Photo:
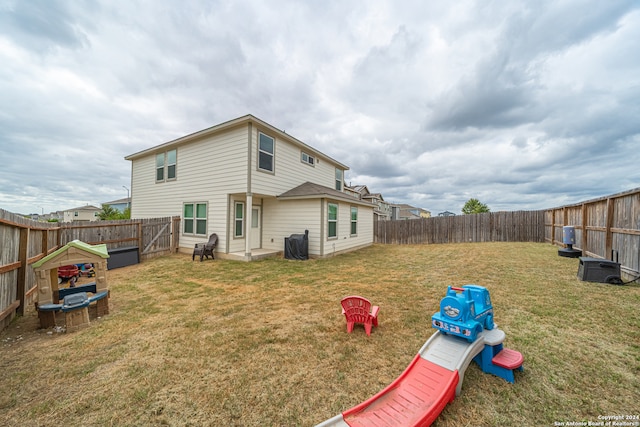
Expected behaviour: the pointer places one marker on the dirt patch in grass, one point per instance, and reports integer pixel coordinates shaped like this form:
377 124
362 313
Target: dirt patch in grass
253 344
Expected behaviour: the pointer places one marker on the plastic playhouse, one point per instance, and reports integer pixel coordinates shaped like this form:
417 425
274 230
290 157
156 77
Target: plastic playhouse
74 300
465 332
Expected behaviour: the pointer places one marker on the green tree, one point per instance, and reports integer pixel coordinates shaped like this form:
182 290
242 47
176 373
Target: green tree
474 206
110 213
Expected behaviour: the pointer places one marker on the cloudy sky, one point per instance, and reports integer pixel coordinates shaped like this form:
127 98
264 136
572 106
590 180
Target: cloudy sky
520 104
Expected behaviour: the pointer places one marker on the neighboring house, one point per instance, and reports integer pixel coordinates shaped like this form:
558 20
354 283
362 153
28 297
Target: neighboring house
253 185
404 211
352 192
56 216
83 213
382 210
356 190
120 204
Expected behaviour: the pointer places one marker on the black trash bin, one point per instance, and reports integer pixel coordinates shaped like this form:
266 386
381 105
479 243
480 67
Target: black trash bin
296 246
122 257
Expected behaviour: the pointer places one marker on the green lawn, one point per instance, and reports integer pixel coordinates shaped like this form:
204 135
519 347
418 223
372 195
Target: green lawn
227 343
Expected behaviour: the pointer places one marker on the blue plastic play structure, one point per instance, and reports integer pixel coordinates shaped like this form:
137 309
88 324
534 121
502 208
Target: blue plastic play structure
465 332
464 312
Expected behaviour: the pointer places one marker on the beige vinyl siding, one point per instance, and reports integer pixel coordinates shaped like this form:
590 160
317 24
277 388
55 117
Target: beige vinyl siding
207 170
284 218
345 241
213 167
289 171
365 227
83 215
236 244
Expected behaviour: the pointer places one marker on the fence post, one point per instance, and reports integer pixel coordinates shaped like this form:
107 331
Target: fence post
608 224
44 242
583 244
23 254
140 242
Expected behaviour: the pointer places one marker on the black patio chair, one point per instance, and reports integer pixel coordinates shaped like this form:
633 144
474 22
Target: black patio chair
205 249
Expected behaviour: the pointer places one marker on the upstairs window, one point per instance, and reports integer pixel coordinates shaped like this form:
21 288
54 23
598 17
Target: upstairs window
266 147
160 167
306 158
171 164
166 164
339 179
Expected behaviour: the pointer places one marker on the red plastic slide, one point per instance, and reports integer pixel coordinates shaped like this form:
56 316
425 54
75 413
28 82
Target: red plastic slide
415 398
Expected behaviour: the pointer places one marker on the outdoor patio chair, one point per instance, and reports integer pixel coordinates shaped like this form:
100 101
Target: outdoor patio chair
205 249
357 309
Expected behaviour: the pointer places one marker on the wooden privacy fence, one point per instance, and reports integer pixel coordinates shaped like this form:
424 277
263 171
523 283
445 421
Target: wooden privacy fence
25 241
519 226
603 225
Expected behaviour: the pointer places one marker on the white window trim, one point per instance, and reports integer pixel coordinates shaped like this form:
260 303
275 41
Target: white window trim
273 155
351 221
310 160
195 219
165 166
157 167
235 220
329 220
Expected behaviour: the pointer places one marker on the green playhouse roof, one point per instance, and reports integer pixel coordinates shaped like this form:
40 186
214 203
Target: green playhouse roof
99 250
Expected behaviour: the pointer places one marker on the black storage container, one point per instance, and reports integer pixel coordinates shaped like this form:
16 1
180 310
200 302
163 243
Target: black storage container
599 270
122 257
296 246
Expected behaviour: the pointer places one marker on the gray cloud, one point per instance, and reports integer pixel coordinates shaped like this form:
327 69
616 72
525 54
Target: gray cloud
42 25
522 105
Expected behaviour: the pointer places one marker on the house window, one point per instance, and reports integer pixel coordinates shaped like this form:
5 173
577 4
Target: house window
305 158
339 179
166 166
171 164
266 148
239 220
160 167
76 213
354 220
195 219
332 216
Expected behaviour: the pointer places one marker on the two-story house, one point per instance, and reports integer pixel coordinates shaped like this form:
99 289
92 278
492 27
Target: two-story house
253 185
382 211
404 211
120 204
82 213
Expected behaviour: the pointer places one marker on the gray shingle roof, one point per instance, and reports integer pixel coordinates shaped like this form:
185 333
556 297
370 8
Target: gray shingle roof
310 190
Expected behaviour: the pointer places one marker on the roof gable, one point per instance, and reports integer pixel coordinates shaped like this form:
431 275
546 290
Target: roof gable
222 127
310 190
84 208
74 252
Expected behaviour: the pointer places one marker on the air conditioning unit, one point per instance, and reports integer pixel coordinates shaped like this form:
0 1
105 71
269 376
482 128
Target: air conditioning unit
599 270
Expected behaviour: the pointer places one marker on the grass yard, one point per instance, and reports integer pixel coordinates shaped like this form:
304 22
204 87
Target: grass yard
226 343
